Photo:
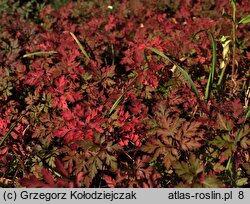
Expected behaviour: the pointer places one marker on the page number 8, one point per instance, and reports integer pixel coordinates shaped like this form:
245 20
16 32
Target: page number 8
241 195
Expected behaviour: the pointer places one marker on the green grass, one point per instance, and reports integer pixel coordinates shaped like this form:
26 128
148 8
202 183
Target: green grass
80 46
183 71
40 53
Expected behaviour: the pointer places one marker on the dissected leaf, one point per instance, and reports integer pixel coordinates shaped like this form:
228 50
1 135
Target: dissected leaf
60 168
48 178
189 136
89 145
169 158
243 137
112 162
92 167
169 126
189 170
211 181
113 148
224 123
149 148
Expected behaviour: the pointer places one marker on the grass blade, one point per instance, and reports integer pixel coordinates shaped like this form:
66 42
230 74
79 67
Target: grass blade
120 98
10 130
40 53
117 102
246 19
212 71
247 116
113 54
228 163
183 71
80 46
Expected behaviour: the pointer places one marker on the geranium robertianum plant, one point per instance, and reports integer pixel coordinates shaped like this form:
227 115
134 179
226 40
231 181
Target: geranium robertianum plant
101 94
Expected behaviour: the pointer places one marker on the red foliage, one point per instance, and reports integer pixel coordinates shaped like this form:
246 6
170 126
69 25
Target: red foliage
56 106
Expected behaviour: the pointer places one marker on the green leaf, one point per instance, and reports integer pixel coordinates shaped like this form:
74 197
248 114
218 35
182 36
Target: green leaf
242 182
247 167
211 182
87 76
182 169
218 167
188 171
183 71
56 4
233 4
92 170
112 162
88 145
224 123
245 19
112 148
218 142
98 162
51 161
242 136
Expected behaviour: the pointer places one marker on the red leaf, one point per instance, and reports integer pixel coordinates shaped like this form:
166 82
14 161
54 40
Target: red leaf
60 168
32 182
69 97
237 108
48 177
4 150
62 103
67 115
61 83
110 181
79 178
77 96
61 132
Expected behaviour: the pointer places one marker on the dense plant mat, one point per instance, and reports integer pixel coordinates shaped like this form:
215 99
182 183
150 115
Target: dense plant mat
139 93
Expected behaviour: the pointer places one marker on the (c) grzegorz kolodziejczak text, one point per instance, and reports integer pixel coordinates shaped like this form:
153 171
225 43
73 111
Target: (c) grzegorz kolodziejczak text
70 195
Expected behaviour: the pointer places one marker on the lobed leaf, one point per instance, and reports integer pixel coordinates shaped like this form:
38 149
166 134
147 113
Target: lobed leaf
188 171
211 181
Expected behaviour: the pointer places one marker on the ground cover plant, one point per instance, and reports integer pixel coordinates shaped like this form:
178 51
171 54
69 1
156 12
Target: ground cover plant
142 93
